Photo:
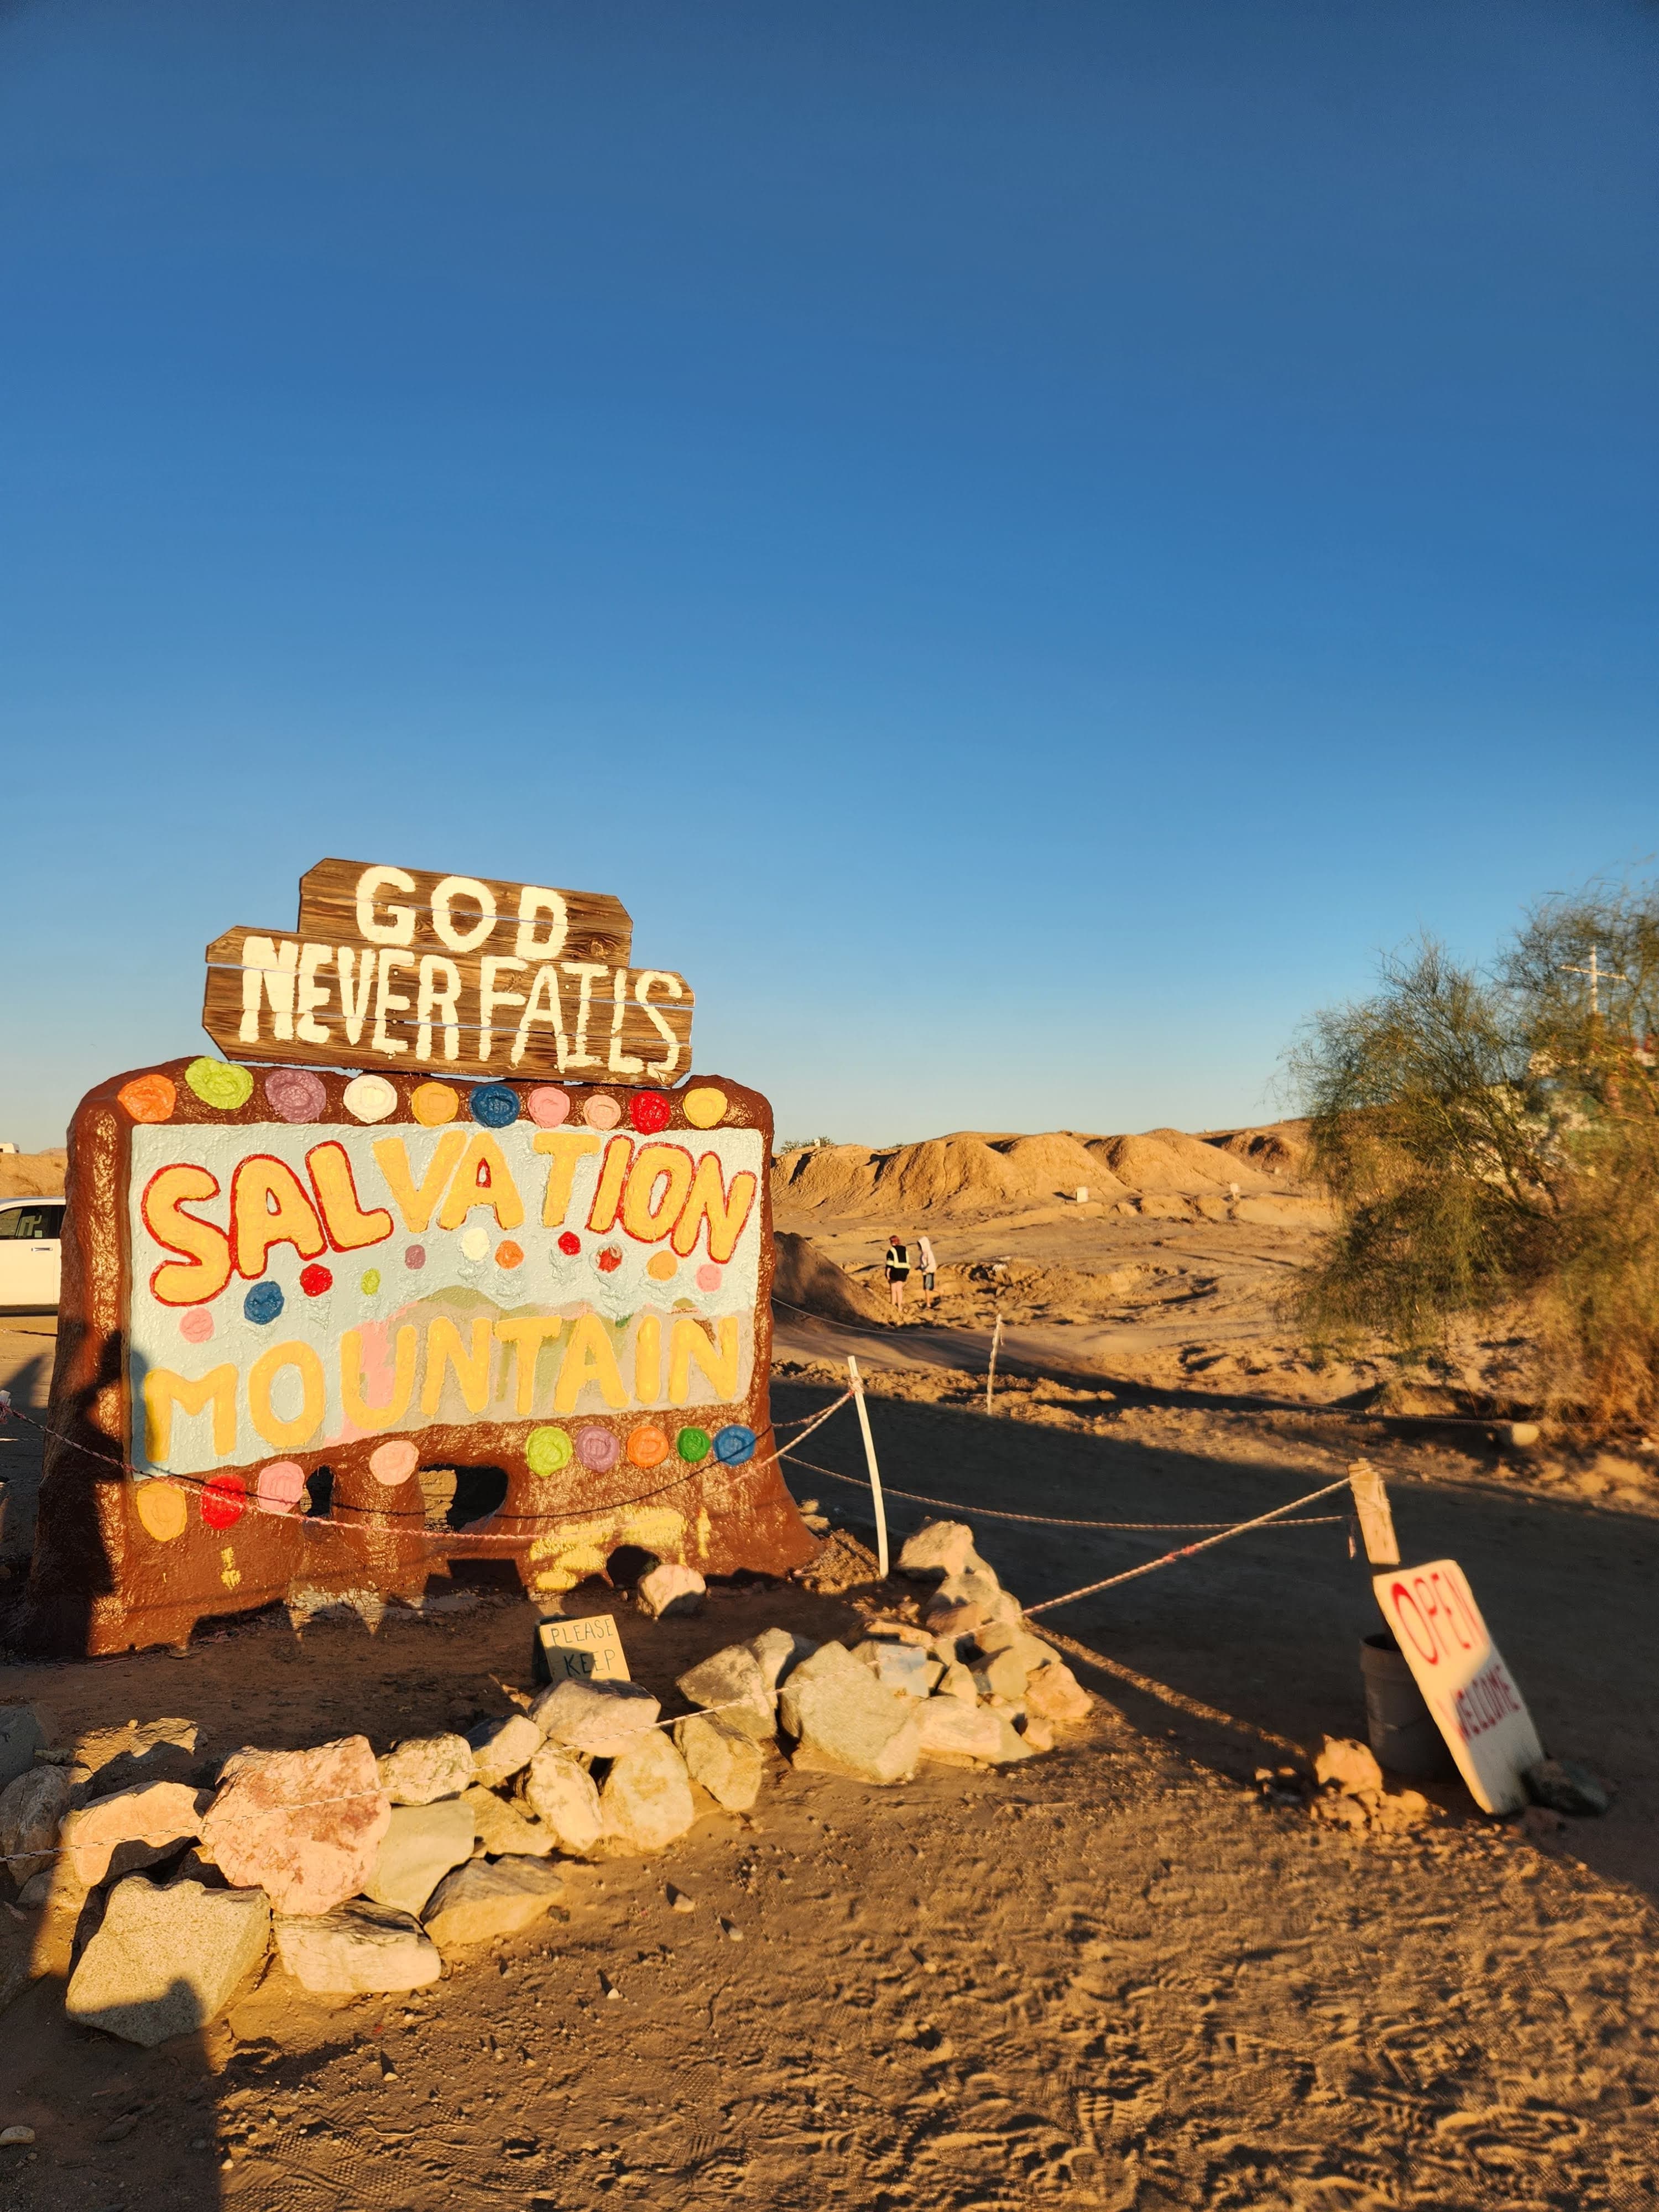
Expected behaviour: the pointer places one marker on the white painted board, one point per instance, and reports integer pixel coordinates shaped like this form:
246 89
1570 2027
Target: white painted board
1431 1612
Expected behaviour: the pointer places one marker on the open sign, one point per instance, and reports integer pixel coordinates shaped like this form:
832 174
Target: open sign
1461 1672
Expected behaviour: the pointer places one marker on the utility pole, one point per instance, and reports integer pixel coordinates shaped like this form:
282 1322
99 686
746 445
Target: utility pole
1598 976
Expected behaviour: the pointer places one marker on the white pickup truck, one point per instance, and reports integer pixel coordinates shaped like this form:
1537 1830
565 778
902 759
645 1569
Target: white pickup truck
30 1229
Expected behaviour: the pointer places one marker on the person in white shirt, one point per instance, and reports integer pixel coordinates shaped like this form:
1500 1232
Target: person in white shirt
929 1269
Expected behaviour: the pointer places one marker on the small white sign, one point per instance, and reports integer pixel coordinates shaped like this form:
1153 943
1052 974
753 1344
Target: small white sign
584 1651
1461 1672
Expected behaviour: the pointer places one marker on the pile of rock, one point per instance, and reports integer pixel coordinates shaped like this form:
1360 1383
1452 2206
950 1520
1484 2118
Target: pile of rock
1350 1792
365 1874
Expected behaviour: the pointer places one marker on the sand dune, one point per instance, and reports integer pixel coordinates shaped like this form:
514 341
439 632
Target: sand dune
33 1175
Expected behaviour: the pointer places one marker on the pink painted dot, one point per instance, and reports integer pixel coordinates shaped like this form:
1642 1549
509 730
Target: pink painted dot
296 1094
708 1276
549 1106
197 1325
393 1463
416 1257
602 1111
280 1486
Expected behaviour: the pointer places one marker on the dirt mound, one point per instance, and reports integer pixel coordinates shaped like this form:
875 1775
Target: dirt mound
33 1175
943 1172
804 1279
1167 1159
1057 1166
1281 1149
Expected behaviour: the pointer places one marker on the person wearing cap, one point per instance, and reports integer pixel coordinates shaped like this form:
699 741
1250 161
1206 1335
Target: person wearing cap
898 1268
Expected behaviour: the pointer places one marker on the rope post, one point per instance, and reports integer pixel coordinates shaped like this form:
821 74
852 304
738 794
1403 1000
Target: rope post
870 1460
991 1371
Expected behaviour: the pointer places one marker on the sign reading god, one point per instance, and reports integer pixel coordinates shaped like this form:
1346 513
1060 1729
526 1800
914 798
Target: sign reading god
394 967
323 1331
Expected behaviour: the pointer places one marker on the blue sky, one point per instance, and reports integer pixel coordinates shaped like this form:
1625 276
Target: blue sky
1026 543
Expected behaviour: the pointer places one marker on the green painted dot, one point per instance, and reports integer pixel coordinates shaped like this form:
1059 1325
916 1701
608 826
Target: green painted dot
546 1450
370 1281
692 1444
219 1083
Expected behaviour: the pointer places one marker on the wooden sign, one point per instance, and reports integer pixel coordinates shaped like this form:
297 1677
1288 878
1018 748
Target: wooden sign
400 967
582 1651
1461 1672
335 1332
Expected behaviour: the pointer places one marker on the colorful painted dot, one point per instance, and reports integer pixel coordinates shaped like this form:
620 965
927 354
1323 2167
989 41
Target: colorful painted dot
416 1257
546 1450
294 1094
150 1098
733 1444
509 1254
647 1446
608 1260
703 1106
662 1267
493 1106
280 1486
163 1509
197 1325
434 1103
369 1098
394 1463
602 1111
709 1277
369 1281
219 1083
314 1280
692 1445
549 1106
262 1302
597 1448
648 1111
475 1242
570 1243
224 1501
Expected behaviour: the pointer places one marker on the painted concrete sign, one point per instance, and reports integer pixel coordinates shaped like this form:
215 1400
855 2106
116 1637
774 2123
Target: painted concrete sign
1461 1672
330 1328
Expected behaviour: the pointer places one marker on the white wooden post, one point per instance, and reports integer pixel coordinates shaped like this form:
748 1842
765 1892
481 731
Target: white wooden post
991 1371
870 1460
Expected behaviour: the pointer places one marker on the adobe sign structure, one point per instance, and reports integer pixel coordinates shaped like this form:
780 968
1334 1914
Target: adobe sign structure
449 1256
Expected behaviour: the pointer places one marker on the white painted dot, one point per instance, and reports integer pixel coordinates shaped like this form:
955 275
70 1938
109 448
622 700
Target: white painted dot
475 1242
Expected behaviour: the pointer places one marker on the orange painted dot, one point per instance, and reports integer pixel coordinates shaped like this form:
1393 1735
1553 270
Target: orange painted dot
662 1267
647 1447
509 1254
434 1103
148 1098
161 1509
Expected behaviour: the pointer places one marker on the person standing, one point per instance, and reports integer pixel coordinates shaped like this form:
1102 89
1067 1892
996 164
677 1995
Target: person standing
898 1269
929 1267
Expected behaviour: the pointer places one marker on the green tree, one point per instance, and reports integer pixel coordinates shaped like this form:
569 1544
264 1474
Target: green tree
1490 1140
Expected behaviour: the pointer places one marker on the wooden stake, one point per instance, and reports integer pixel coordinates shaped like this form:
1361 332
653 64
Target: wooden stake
869 1462
991 1371
1370 1499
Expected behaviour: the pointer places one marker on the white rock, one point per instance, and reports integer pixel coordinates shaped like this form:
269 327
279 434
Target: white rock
21 1736
950 1728
502 1833
563 1795
481 1900
501 1749
32 1808
845 1724
427 1768
646 1799
132 1828
359 1948
1351 1765
780 1652
419 1849
902 1666
956 1682
1054 1694
1000 1676
599 1718
734 1680
941 1547
667 1588
726 1761
167 1961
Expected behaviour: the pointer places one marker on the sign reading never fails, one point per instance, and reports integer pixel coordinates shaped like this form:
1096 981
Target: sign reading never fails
398 967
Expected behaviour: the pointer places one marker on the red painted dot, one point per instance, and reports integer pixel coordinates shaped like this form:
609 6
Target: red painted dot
223 1501
648 1111
314 1280
570 1245
610 1259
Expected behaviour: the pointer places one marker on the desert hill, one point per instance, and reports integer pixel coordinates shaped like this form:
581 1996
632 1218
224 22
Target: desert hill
33 1175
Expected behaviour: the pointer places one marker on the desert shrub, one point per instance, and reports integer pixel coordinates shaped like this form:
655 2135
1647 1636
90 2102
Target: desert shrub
1490 1140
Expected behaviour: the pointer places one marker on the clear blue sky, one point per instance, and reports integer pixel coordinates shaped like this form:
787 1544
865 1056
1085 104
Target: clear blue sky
1026 543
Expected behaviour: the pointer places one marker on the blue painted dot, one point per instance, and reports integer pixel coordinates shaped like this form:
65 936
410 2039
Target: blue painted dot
494 1105
733 1444
262 1302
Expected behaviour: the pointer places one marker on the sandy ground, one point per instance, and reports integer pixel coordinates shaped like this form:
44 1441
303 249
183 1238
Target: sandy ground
1110 1977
